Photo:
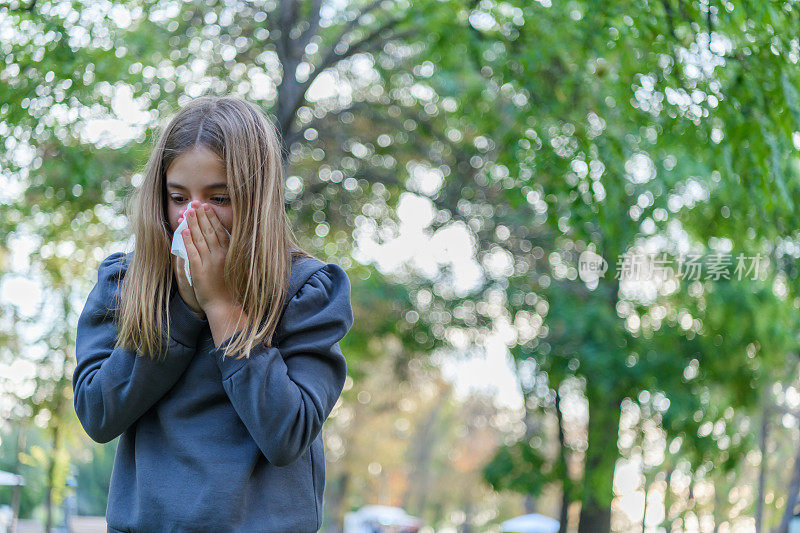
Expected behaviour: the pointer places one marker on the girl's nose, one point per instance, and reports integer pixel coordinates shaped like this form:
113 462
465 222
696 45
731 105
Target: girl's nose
194 204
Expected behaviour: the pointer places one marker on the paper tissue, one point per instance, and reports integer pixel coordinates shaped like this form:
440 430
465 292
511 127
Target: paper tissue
179 248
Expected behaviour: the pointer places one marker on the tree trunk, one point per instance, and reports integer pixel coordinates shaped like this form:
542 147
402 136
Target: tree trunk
532 427
466 527
15 495
668 501
530 504
762 468
334 503
601 458
595 517
690 503
791 497
644 511
563 515
421 454
717 514
566 483
648 474
51 469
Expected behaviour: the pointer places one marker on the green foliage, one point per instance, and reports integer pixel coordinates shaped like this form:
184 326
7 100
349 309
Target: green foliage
93 478
554 127
33 492
521 468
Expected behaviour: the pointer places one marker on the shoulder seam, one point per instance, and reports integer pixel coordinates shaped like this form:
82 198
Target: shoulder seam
110 273
296 284
114 260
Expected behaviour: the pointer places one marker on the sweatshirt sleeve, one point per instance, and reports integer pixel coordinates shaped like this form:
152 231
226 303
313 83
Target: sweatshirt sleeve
114 387
284 393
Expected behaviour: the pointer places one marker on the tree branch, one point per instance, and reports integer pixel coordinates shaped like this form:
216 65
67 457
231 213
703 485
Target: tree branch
353 23
332 59
313 26
670 17
23 9
286 21
317 123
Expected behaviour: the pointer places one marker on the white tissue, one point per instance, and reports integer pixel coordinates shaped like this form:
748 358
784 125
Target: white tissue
179 248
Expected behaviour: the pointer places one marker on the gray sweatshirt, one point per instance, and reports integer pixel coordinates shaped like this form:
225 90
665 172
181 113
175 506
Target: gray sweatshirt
210 443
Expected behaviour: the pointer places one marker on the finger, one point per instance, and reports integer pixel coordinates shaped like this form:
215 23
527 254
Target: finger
195 261
198 239
205 225
180 272
222 235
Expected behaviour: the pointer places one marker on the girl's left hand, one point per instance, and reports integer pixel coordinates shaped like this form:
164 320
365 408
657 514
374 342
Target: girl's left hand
207 246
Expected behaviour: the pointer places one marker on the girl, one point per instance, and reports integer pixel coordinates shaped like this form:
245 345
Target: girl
218 389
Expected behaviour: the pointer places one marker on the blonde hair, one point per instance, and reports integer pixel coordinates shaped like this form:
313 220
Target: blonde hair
262 246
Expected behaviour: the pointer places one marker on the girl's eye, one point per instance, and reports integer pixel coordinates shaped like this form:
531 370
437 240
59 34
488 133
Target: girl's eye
218 200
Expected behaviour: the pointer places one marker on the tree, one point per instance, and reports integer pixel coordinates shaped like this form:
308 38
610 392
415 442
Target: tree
540 130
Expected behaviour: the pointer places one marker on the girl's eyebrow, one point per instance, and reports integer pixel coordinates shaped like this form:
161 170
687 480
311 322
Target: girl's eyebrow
213 186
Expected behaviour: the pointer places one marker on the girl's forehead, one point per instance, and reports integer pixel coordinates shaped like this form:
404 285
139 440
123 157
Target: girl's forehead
197 168
195 183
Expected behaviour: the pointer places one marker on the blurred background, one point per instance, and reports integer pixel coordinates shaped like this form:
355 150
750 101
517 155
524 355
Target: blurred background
468 163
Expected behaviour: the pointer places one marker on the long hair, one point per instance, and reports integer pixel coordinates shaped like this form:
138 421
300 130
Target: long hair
262 245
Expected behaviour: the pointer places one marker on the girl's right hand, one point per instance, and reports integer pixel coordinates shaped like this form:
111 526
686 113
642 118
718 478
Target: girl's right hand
186 291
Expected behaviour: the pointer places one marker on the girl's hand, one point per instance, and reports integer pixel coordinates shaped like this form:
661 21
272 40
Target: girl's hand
186 291
207 246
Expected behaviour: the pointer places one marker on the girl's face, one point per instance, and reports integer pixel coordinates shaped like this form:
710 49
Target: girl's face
198 175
